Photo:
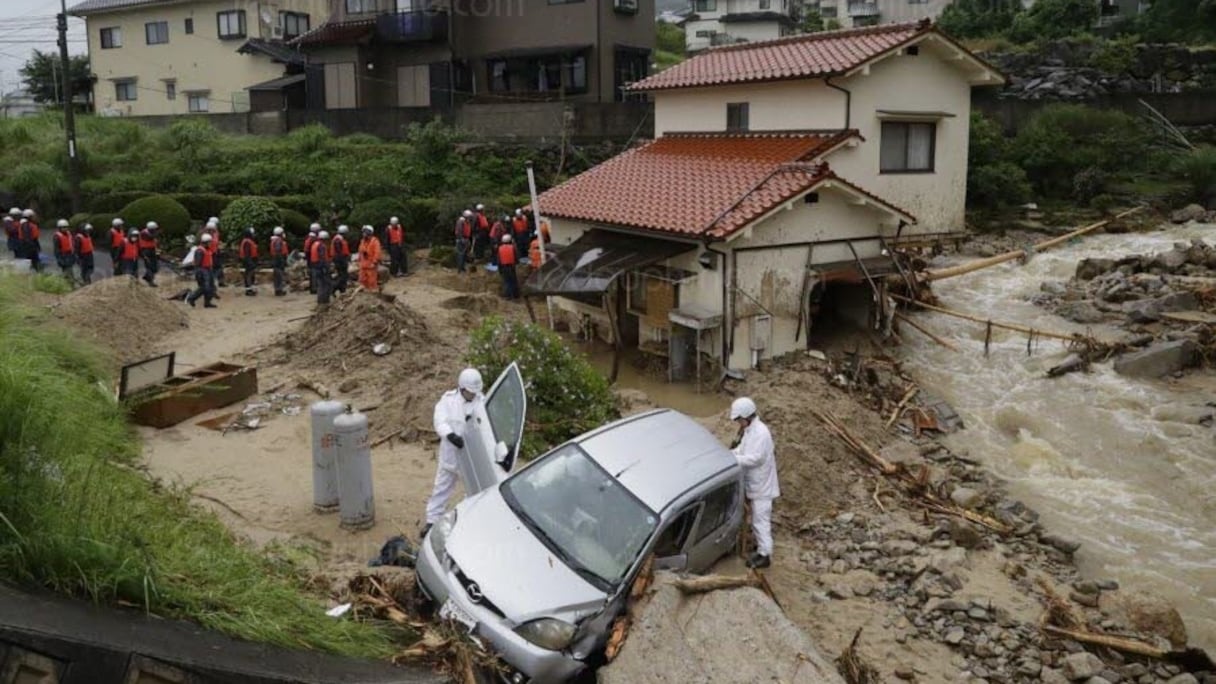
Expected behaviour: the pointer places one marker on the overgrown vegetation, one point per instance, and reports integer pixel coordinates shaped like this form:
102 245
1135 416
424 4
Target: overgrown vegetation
51 283
566 395
1164 21
669 45
75 518
309 171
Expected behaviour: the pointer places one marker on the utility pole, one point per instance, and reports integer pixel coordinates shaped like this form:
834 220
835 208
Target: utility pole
69 113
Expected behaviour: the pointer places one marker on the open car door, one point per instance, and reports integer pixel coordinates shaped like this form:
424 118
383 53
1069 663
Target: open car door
493 433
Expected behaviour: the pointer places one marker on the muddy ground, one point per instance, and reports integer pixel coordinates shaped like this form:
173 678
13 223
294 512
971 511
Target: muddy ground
936 598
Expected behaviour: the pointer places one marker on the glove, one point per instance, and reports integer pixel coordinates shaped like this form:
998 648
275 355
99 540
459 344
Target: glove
735 444
456 440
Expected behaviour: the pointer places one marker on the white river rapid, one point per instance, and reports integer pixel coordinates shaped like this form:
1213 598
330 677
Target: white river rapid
1101 457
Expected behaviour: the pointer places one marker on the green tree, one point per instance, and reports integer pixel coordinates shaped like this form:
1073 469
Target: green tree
1062 141
979 18
812 22
993 179
669 37
42 76
1191 21
1051 19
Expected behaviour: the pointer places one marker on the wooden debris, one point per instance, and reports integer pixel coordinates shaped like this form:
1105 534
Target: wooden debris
926 332
1123 644
899 408
853 668
855 443
315 387
1067 337
1059 611
708 583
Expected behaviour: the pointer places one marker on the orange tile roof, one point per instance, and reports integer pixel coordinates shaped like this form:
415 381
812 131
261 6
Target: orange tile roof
814 55
697 185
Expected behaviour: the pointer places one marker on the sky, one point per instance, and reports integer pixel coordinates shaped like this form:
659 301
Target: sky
26 25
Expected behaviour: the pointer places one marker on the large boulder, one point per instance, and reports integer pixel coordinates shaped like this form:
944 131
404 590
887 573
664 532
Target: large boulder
1146 613
1191 212
1174 259
1081 311
1158 360
1088 269
736 635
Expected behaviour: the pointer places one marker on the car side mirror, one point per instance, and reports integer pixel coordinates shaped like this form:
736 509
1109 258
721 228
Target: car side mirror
672 563
501 452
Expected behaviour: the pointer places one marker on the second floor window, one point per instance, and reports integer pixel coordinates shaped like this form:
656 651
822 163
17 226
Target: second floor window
737 116
170 90
907 147
294 24
705 5
124 91
360 6
189 25
231 24
111 38
198 102
156 32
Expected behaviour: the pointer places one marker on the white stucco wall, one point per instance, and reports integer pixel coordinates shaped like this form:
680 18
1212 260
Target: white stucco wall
694 43
753 31
772 106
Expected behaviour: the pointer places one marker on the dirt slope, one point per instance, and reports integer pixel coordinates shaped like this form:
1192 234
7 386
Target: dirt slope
122 315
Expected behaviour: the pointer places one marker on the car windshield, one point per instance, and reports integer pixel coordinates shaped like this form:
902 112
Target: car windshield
582 514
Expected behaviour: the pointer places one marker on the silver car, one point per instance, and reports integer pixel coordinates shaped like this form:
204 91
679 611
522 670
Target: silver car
535 565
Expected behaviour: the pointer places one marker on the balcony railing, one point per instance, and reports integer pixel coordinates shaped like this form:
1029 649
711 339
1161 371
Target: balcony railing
412 27
863 9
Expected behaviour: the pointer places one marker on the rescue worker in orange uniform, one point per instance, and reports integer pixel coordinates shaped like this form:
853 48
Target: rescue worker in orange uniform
369 258
314 232
519 232
534 255
506 268
217 254
481 233
10 229
319 257
340 253
248 253
118 235
28 239
204 272
65 255
394 235
501 227
279 249
147 251
464 233
128 258
83 246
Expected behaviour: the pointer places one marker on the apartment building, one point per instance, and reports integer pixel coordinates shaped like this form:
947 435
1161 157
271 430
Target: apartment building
439 53
158 57
724 22
858 13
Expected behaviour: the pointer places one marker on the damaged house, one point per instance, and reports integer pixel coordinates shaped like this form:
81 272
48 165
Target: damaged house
783 176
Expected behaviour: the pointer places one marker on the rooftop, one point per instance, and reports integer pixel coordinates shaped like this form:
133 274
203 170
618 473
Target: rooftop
700 185
337 33
658 456
813 55
92 6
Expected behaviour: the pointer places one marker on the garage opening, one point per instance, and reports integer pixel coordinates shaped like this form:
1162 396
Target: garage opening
838 312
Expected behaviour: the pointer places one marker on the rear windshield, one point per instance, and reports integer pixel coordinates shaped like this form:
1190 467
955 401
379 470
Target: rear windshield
582 513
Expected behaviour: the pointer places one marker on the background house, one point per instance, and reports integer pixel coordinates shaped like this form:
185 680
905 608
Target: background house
19 103
403 53
784 176
181 56
722 22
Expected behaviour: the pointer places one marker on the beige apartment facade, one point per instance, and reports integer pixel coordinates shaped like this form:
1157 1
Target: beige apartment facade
171 57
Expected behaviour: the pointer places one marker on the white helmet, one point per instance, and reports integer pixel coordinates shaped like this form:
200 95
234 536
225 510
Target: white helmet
62 223
213 224
368 230
214 219
324 235
470 379
394 220
190 239
278 230
314 228
206 237
14 212
519 212
743 407
88 227
468 213
343 229
481 207
132 233
116 222
506 239
28 213
251 230
152 225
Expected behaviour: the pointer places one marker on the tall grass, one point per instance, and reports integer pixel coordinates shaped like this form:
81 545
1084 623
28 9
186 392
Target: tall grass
75 518
51 283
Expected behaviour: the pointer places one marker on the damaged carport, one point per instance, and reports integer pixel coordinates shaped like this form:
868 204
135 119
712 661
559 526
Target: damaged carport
589 271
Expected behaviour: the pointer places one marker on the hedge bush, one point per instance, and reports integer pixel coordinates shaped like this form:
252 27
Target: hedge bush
295 223
245 212
203 205
80 219
421 221
115 201
101 224
304 204
169 214
566 395
377 212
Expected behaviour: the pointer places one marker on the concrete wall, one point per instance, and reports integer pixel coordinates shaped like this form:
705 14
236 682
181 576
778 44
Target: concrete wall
199 62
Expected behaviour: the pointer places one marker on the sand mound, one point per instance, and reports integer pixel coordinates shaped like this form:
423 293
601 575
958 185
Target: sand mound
738 635
482 304
122 315
334 348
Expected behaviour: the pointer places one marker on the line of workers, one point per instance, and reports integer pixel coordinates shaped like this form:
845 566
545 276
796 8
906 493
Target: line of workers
76 248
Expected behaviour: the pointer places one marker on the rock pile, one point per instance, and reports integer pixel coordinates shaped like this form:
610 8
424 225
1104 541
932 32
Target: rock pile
1167 300
925 574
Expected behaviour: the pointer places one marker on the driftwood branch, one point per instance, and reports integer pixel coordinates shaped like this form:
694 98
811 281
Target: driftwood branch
1123 644
708 583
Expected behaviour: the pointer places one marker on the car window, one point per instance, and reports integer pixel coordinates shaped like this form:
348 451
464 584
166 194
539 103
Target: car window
582 513
718 507
505 407
671 541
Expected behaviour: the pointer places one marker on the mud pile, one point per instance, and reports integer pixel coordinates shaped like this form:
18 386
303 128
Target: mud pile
124 316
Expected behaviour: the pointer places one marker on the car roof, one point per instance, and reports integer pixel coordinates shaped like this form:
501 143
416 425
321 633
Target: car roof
658 456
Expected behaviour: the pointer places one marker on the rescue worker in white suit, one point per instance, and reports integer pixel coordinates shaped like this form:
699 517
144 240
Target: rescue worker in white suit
754 452
451 414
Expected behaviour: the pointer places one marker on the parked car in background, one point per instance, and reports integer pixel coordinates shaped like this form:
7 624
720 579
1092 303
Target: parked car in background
536 565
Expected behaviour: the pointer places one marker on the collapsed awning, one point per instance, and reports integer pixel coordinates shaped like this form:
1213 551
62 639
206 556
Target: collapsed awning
590 264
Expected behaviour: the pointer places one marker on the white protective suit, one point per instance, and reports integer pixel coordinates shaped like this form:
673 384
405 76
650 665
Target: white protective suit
451 413
756 456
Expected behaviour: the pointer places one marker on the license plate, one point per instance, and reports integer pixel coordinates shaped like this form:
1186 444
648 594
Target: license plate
453 612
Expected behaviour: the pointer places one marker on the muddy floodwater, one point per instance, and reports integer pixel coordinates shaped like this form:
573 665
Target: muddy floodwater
1105 459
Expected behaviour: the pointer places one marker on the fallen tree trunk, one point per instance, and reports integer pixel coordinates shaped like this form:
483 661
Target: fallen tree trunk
708 583
1010 256
1117 643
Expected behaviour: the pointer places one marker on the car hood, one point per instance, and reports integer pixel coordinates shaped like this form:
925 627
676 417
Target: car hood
515 571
